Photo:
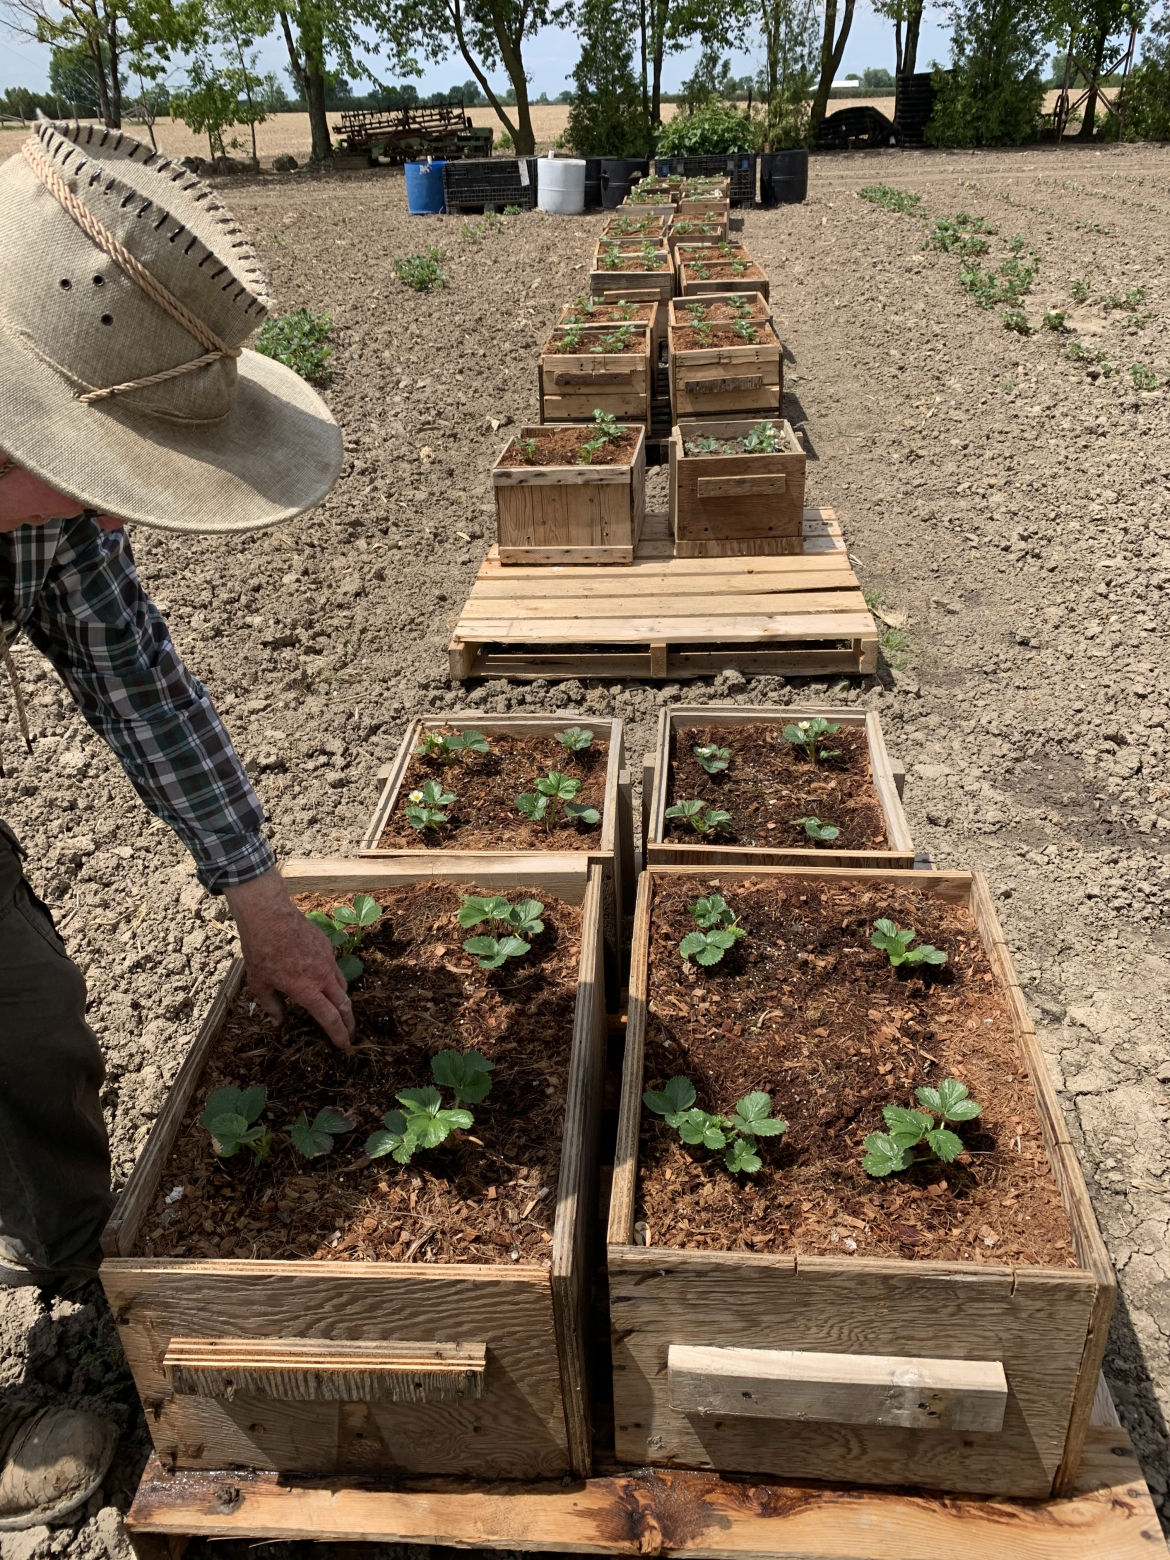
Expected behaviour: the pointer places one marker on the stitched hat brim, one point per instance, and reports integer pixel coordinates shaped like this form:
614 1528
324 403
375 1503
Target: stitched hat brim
275 455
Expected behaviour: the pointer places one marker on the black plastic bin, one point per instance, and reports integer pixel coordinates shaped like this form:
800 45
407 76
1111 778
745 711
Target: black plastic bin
592 183
616 176
739 167
784 177
913 105
489 184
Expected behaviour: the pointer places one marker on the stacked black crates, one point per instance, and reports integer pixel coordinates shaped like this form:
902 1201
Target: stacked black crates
490 184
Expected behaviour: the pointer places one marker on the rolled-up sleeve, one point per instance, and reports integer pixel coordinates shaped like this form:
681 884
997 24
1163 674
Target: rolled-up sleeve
95 623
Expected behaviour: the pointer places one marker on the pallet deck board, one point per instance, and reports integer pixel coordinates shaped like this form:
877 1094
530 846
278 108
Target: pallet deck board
1109 1514
671 617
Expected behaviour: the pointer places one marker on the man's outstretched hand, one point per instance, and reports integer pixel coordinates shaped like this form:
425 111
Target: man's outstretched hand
287 956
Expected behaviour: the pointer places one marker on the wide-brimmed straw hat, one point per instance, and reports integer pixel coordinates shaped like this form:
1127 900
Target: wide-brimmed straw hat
126 294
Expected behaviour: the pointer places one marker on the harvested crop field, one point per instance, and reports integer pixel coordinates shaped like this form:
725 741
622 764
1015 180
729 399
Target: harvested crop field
1006 504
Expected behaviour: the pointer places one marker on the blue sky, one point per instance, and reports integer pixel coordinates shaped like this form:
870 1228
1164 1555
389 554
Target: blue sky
550 57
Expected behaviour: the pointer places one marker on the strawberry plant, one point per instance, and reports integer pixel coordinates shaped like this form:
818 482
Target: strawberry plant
551 792
344 927
806 734
424 808
606 431
575 740
816 830
503 942
896 944
736 1134
703 819
762 440
423 1122
231 1115
311 1140
718 930
527 448
712 758
893 1150
746 331
449 747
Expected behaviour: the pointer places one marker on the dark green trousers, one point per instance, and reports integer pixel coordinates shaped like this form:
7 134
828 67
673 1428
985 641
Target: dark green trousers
54 1155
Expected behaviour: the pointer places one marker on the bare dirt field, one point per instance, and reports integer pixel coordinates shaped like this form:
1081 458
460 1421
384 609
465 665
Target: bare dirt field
1007 506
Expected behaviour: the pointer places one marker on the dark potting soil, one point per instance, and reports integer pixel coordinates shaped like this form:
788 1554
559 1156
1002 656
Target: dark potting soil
806 1010
481 1196
712 254
769 783
607 313
727 446
484 815
562 447
686 337
688 309
723 271
689 229
629 340
655 262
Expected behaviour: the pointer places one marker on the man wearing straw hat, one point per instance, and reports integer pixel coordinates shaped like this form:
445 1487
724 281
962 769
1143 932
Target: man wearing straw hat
126 294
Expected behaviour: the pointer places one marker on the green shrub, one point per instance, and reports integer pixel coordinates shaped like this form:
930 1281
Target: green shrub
298 341
993 93
708 132
421 271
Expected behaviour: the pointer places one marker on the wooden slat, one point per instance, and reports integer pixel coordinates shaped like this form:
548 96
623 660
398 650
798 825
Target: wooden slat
563 873
321 1370
642 580
843 1388
740 487
775 604
683 629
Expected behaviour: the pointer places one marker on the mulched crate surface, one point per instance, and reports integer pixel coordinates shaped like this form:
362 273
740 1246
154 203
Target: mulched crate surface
484 815
806 1010
610 313
635 263
599 343
687 337
769 783
486 1196
727 446
723 270
686 310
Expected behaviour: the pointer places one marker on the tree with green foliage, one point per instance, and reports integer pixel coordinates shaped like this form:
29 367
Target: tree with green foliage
73 79
1097 28
791 35
608 117
1147 101
320 34
834 37
993 93
208 103
710 131
904 14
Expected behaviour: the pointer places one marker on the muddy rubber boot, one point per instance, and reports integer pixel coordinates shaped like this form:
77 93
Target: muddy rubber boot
52 1462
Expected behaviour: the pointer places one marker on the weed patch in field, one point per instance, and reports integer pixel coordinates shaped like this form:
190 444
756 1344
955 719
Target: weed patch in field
890 199
298 341
422 272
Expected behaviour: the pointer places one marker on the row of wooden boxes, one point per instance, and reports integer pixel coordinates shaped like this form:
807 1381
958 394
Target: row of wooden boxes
316 1301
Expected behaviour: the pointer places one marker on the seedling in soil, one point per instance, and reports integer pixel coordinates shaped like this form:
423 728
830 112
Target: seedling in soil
745 330
231 1115
552 791
806 734
736 1135
705 333
719 929
816 830
346 925
896 944
425 808
448 748
527 448
762 439
507 920
511 211
891 199
708 446
703 819
575 740
1143 377
1080 291
606 431
712 758
888 1152
701 270
1054 319
311 1140
1017 320
423 1122
298 341
421 272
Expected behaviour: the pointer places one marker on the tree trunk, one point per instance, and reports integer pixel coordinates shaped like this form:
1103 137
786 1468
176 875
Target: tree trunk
99 81
322 151
832 52
642 46
113 85
897 47
1089 122
913 28
657 50
523 135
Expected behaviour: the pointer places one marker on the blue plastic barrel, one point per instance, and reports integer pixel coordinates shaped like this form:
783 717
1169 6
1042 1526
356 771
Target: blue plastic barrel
424 188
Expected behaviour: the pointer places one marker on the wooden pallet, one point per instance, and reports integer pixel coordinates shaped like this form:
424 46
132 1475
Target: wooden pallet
1109 1515
667 618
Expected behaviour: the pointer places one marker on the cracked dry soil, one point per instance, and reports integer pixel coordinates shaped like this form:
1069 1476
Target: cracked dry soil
1008 505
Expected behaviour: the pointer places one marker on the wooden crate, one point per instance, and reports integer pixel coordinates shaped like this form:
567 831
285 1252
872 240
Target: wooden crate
658 282
697 231
1046 1325
570 514
754 506
659 851
651 311
723 381
678 309
338 1328
699 206
572 387
692 286
669 618
612 849
646 208
654 230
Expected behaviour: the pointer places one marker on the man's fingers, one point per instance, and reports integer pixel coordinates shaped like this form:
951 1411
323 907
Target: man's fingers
327 1014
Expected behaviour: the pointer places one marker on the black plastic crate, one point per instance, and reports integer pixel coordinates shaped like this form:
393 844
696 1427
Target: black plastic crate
739 167
489 182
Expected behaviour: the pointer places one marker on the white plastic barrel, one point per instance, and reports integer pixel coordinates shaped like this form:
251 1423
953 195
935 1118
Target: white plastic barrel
560 184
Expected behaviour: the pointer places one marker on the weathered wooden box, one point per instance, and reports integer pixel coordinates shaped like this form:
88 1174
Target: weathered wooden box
572 386
684 311
661 851
700 229
735 505
715 207
615 309
1045 1326
611 848
640 226
719 278
374 1368
570 514
636 272
728 378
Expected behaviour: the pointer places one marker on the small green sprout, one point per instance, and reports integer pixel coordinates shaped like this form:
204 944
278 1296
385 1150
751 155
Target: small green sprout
298 341
1143 378
423 1122
1016 320
527 448
502 943
761 440
422 272
425 807
1080 291
707 446
345 927
703 819
231 1116
575 740
607 430
745 331
511 211
896 944
816 830
1054 319
805 735
552 791
313 1140
447 748
719 930
712 758
891 1151
736 1134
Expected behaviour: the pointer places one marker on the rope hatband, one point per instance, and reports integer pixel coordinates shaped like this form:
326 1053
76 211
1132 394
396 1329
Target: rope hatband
137 272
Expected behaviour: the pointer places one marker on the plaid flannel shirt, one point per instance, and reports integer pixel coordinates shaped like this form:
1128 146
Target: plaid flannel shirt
74 590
